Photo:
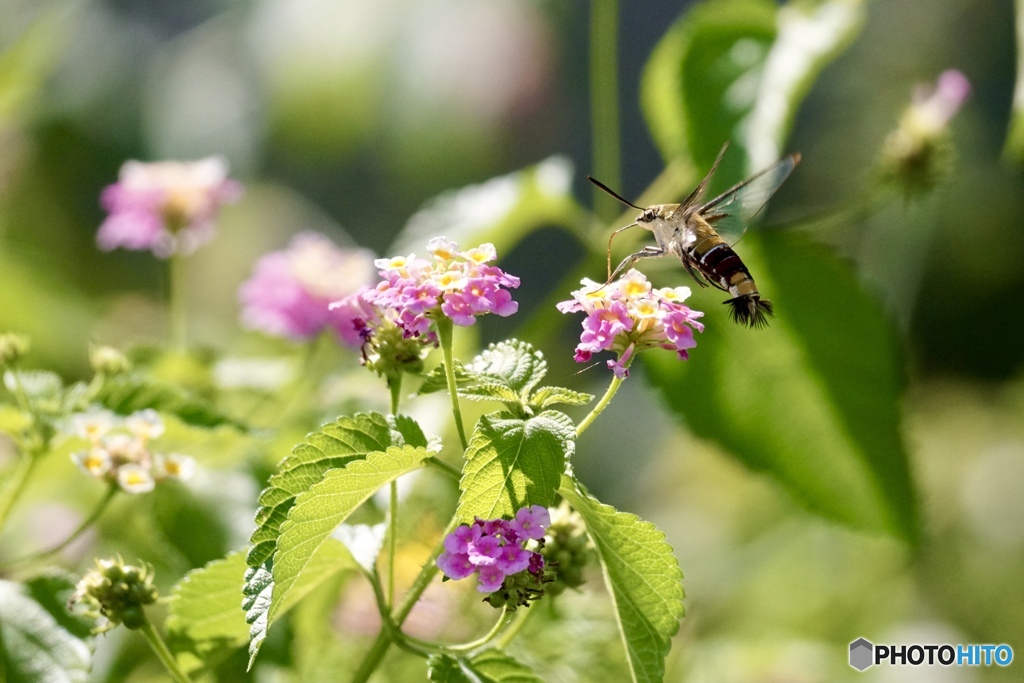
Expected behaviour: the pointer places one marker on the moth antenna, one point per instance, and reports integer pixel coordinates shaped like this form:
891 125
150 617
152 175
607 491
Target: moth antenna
613 193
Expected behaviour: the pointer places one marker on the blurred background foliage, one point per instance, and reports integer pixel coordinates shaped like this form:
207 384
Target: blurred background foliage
350 117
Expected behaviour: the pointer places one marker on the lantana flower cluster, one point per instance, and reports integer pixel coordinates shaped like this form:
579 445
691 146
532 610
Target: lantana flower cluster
457 284
119 450
918 153
497 551
628 316
167 207
290 290
114 593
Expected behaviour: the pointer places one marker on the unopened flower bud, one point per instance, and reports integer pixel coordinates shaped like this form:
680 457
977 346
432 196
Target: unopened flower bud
106 360
13 347
567 548
918 153
116 593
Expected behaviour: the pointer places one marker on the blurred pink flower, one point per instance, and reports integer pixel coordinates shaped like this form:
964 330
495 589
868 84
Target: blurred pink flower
290 290
167 207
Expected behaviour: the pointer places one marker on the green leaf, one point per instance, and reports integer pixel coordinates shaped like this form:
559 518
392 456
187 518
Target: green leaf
737 70
489 666
1014 148
490 391
814 399
204 619
501 211
334 446
643 578
40 640
320 510
436 380
512 462
549 396
328 560
125 394
514 363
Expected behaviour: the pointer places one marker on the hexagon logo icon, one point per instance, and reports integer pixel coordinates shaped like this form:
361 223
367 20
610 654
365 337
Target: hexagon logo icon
861 654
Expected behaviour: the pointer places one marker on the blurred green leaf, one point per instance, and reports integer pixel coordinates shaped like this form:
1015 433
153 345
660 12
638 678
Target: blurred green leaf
513 463
642 576
27 63
489 666
1014 149
501 211
814 399
334 446
125 394
737 70
40 640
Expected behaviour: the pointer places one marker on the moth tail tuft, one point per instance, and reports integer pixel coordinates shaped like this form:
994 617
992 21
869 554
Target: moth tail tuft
750 310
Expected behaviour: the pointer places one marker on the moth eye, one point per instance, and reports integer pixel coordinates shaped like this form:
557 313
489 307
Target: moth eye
647 216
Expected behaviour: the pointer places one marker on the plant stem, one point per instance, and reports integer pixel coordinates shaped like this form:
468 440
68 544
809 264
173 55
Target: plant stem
604 101
380 646
395 385
446 468
163 654
601 405
86 523
514 628
176 309
507 617
444 337
16 484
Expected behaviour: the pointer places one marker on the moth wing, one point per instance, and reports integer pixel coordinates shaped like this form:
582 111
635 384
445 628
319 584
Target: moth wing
731 212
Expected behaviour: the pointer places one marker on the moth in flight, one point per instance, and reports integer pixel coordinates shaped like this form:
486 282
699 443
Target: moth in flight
690 230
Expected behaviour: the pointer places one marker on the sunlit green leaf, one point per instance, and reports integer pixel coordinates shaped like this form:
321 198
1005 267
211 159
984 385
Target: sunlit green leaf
205 620
329 559
514 363
513 462
40 640
318 511
501 211
737 70
489 666
334 446
549 396
643 578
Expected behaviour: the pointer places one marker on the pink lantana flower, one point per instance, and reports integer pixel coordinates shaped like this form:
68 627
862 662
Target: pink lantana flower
628 316
456 284
290 291
166 207
495 549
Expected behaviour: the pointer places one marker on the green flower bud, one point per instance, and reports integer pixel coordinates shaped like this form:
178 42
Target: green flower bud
106 360
13 347
116 593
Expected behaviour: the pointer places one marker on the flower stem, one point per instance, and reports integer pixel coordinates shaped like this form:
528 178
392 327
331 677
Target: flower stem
601 405
176 310
16 481
86 523
507 617
162 653
604 101
514 627
444 336
380 646
395 385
